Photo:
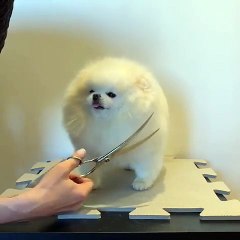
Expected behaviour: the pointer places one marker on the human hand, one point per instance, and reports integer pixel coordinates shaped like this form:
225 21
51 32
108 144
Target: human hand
59 191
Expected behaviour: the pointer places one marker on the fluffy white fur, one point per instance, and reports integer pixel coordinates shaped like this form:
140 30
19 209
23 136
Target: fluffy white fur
101 124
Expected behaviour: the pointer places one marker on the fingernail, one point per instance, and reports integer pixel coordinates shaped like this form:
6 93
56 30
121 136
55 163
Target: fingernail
81 152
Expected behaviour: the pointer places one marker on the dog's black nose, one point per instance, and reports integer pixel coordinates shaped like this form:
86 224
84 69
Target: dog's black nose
96 97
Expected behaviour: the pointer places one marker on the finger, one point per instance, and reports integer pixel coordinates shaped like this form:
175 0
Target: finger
70 164
84 188
79 155
75 178
78 179
84 179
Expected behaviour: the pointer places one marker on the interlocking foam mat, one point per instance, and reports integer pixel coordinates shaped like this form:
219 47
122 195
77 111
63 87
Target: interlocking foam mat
185 185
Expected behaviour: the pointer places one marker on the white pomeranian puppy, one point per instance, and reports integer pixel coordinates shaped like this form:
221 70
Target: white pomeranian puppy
107 101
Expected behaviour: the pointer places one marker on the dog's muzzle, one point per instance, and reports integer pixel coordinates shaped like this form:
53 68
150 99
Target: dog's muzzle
96 101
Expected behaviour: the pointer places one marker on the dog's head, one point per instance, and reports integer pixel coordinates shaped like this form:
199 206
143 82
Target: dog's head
111 86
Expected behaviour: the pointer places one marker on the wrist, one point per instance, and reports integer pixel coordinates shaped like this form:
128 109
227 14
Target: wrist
23 206
15 208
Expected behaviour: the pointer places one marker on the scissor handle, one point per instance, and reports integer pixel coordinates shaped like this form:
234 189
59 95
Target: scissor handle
89 172
98 162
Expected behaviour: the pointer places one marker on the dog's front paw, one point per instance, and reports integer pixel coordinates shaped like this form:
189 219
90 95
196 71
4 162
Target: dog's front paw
141 184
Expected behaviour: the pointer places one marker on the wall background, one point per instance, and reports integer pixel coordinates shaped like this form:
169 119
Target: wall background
192 46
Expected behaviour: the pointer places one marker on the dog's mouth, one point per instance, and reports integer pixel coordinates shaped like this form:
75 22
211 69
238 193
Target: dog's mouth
98 106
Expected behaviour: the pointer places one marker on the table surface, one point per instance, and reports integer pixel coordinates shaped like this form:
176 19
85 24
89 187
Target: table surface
119 226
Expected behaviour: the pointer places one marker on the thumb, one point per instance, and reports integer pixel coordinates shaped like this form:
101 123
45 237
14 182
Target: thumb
70 164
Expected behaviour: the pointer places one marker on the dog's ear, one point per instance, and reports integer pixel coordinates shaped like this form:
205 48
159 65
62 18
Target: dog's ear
142 82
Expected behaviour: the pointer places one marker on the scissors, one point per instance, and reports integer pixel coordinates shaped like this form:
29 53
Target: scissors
99 161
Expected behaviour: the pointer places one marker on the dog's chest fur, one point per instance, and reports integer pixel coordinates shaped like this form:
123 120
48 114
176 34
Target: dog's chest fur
99 136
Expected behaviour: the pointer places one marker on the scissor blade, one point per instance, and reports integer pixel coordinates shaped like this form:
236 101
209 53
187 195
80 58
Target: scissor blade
129 139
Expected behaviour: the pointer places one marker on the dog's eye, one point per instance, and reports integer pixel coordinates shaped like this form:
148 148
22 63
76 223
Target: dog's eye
111 94
91 91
